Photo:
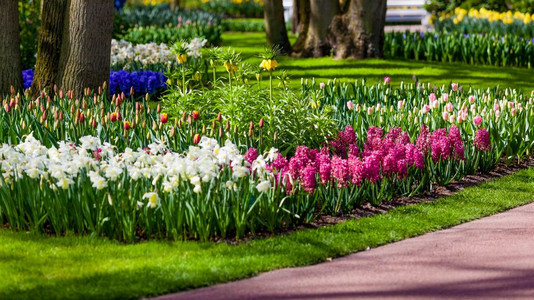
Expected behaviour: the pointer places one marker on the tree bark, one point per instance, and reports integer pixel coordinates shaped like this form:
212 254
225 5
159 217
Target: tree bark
301 20
86 45
49 49
359 32
321 14
275 25
10 60
175 4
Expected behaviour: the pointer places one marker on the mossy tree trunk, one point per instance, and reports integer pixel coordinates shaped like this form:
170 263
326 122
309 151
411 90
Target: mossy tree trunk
275 25
321 14
176 4
10 60
359 31
86 45
301 22
48 51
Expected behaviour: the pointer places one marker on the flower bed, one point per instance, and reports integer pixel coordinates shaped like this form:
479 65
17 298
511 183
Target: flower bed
220 188
455 47
142 82
485 21
159 24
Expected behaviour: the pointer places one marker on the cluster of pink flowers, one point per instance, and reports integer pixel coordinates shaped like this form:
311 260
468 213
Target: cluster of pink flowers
445 145
342 163
482 140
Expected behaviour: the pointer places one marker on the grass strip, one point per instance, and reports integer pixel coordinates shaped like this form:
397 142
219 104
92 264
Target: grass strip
34 266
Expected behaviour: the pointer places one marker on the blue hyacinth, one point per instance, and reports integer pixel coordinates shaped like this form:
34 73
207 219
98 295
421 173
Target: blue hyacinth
121 81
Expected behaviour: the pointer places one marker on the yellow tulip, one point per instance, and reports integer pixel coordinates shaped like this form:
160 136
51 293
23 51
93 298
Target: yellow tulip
182 58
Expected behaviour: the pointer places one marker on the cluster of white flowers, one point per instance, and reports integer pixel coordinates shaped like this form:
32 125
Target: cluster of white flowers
194 47
125 54
61 166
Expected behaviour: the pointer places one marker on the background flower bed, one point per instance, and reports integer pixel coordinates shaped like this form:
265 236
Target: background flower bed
467 48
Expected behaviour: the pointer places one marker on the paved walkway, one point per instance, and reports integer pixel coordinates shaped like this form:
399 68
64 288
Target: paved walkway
491 258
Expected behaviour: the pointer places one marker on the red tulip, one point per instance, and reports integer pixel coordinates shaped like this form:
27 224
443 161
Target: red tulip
196 139
127 125
195 114
164 118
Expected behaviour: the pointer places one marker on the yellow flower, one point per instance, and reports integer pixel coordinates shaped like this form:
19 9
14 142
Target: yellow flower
230 67
182 58
197 76
269 64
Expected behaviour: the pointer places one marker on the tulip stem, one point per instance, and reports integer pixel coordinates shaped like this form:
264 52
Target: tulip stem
183 79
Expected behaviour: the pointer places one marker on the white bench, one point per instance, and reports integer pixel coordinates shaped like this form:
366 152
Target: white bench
407 11
397 11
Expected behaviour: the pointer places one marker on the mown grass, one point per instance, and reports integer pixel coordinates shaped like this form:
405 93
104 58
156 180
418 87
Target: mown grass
374 70
34 266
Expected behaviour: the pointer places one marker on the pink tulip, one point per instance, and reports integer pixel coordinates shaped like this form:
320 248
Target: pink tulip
449 107
432 97
454 86
471 99
445 116
400 104
426 109
387 80
497 113
350 105
513 112
496 107
477 120
445 97
322 85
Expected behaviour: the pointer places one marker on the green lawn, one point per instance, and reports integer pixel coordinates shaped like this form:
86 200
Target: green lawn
37 267
374 70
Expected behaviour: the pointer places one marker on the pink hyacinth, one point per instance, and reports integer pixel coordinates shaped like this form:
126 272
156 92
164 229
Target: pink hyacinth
374 139
340 171
355 169
440 145
482 140
279 163
419 159
323 166
457 143
423 140
251 155
477 120
308 180
371 168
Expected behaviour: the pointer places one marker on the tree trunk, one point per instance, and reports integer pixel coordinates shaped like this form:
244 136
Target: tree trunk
322 12
175 4
48 51
301 16
85 53
10 60
275 25
359 32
